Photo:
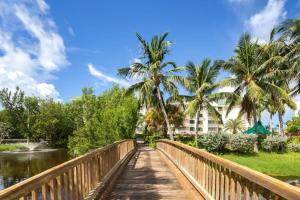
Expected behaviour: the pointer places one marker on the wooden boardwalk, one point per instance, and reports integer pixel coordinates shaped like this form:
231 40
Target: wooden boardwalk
149 175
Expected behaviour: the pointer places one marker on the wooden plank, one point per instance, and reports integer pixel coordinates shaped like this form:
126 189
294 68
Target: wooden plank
45 192
66 185
52 189
71 183
34 195
59 187
232 186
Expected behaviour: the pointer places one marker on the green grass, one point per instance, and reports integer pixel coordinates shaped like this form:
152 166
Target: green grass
12 147
287 164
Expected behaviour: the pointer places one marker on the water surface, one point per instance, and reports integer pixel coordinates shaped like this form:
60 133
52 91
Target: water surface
16 167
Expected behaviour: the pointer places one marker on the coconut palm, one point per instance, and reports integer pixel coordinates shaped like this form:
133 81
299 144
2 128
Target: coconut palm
277 71
252 77
200 83
236 125
289 35
153 75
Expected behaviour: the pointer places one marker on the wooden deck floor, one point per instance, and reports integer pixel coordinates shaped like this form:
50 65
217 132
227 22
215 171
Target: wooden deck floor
149 175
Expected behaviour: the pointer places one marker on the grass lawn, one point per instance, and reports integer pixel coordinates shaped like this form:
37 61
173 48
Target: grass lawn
287 164
12 147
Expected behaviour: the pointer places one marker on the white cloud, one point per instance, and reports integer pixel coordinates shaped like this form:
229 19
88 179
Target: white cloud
71 31
105 78
43 6
238 1
30 48
261 23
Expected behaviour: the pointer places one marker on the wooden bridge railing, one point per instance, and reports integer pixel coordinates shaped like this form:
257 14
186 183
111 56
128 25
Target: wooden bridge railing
74 179
218 178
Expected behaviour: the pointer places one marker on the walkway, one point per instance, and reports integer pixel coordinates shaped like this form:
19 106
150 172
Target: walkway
149 175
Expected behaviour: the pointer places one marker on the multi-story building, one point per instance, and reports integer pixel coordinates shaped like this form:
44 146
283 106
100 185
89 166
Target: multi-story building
206 123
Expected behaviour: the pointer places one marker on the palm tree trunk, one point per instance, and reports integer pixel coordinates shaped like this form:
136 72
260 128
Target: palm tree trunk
280 120
271 122
196 127
281 130
163 109
255 117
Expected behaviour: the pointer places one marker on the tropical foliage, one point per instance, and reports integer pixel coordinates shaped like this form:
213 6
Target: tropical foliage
235 126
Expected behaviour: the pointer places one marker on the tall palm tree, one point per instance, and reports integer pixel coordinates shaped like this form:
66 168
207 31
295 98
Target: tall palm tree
277 69
153 74
200 83
289 35
252 77
235 125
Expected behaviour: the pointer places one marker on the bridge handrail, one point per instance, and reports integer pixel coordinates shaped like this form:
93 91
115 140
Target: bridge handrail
218 178
74 179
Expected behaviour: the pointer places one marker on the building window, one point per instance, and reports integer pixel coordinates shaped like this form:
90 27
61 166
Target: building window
212 129
219 108
192 128
211 122
199 129
192 121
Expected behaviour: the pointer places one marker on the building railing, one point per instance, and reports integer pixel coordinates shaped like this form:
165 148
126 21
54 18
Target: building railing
218 178
74 179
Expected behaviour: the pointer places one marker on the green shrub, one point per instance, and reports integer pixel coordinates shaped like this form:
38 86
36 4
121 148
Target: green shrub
213 142
293 147
12 147
294 140
274 143
242 143
186 139
152 137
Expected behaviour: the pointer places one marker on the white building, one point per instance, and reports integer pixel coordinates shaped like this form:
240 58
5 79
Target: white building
206 123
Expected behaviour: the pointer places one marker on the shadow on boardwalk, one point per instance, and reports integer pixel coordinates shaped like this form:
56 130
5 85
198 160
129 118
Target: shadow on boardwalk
147 177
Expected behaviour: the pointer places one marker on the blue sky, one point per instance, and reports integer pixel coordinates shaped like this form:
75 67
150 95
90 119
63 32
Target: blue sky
56 47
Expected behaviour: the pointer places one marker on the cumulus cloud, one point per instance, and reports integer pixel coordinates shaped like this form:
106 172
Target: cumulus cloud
261 24
105 78
30 47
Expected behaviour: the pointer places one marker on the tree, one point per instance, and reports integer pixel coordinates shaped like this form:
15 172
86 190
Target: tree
5 129
103 119
253 77
200 83
155 120
154 75
293 125
31 108
52 123
234 126
277 66
13 104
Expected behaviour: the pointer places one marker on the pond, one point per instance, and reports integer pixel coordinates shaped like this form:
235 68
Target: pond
16 167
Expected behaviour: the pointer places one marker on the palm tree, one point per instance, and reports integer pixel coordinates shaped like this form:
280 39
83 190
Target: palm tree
277 69
235 125
253 77
200 83
153 75
289 35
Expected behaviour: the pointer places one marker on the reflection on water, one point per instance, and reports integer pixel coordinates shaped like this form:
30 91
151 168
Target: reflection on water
15 167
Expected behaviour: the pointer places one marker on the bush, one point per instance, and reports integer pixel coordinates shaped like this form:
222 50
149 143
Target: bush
274 143
186 139
13 147
293 147
294 140
242 143
213 142
151 138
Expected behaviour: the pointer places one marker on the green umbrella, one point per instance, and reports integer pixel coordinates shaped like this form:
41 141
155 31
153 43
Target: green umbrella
260 129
